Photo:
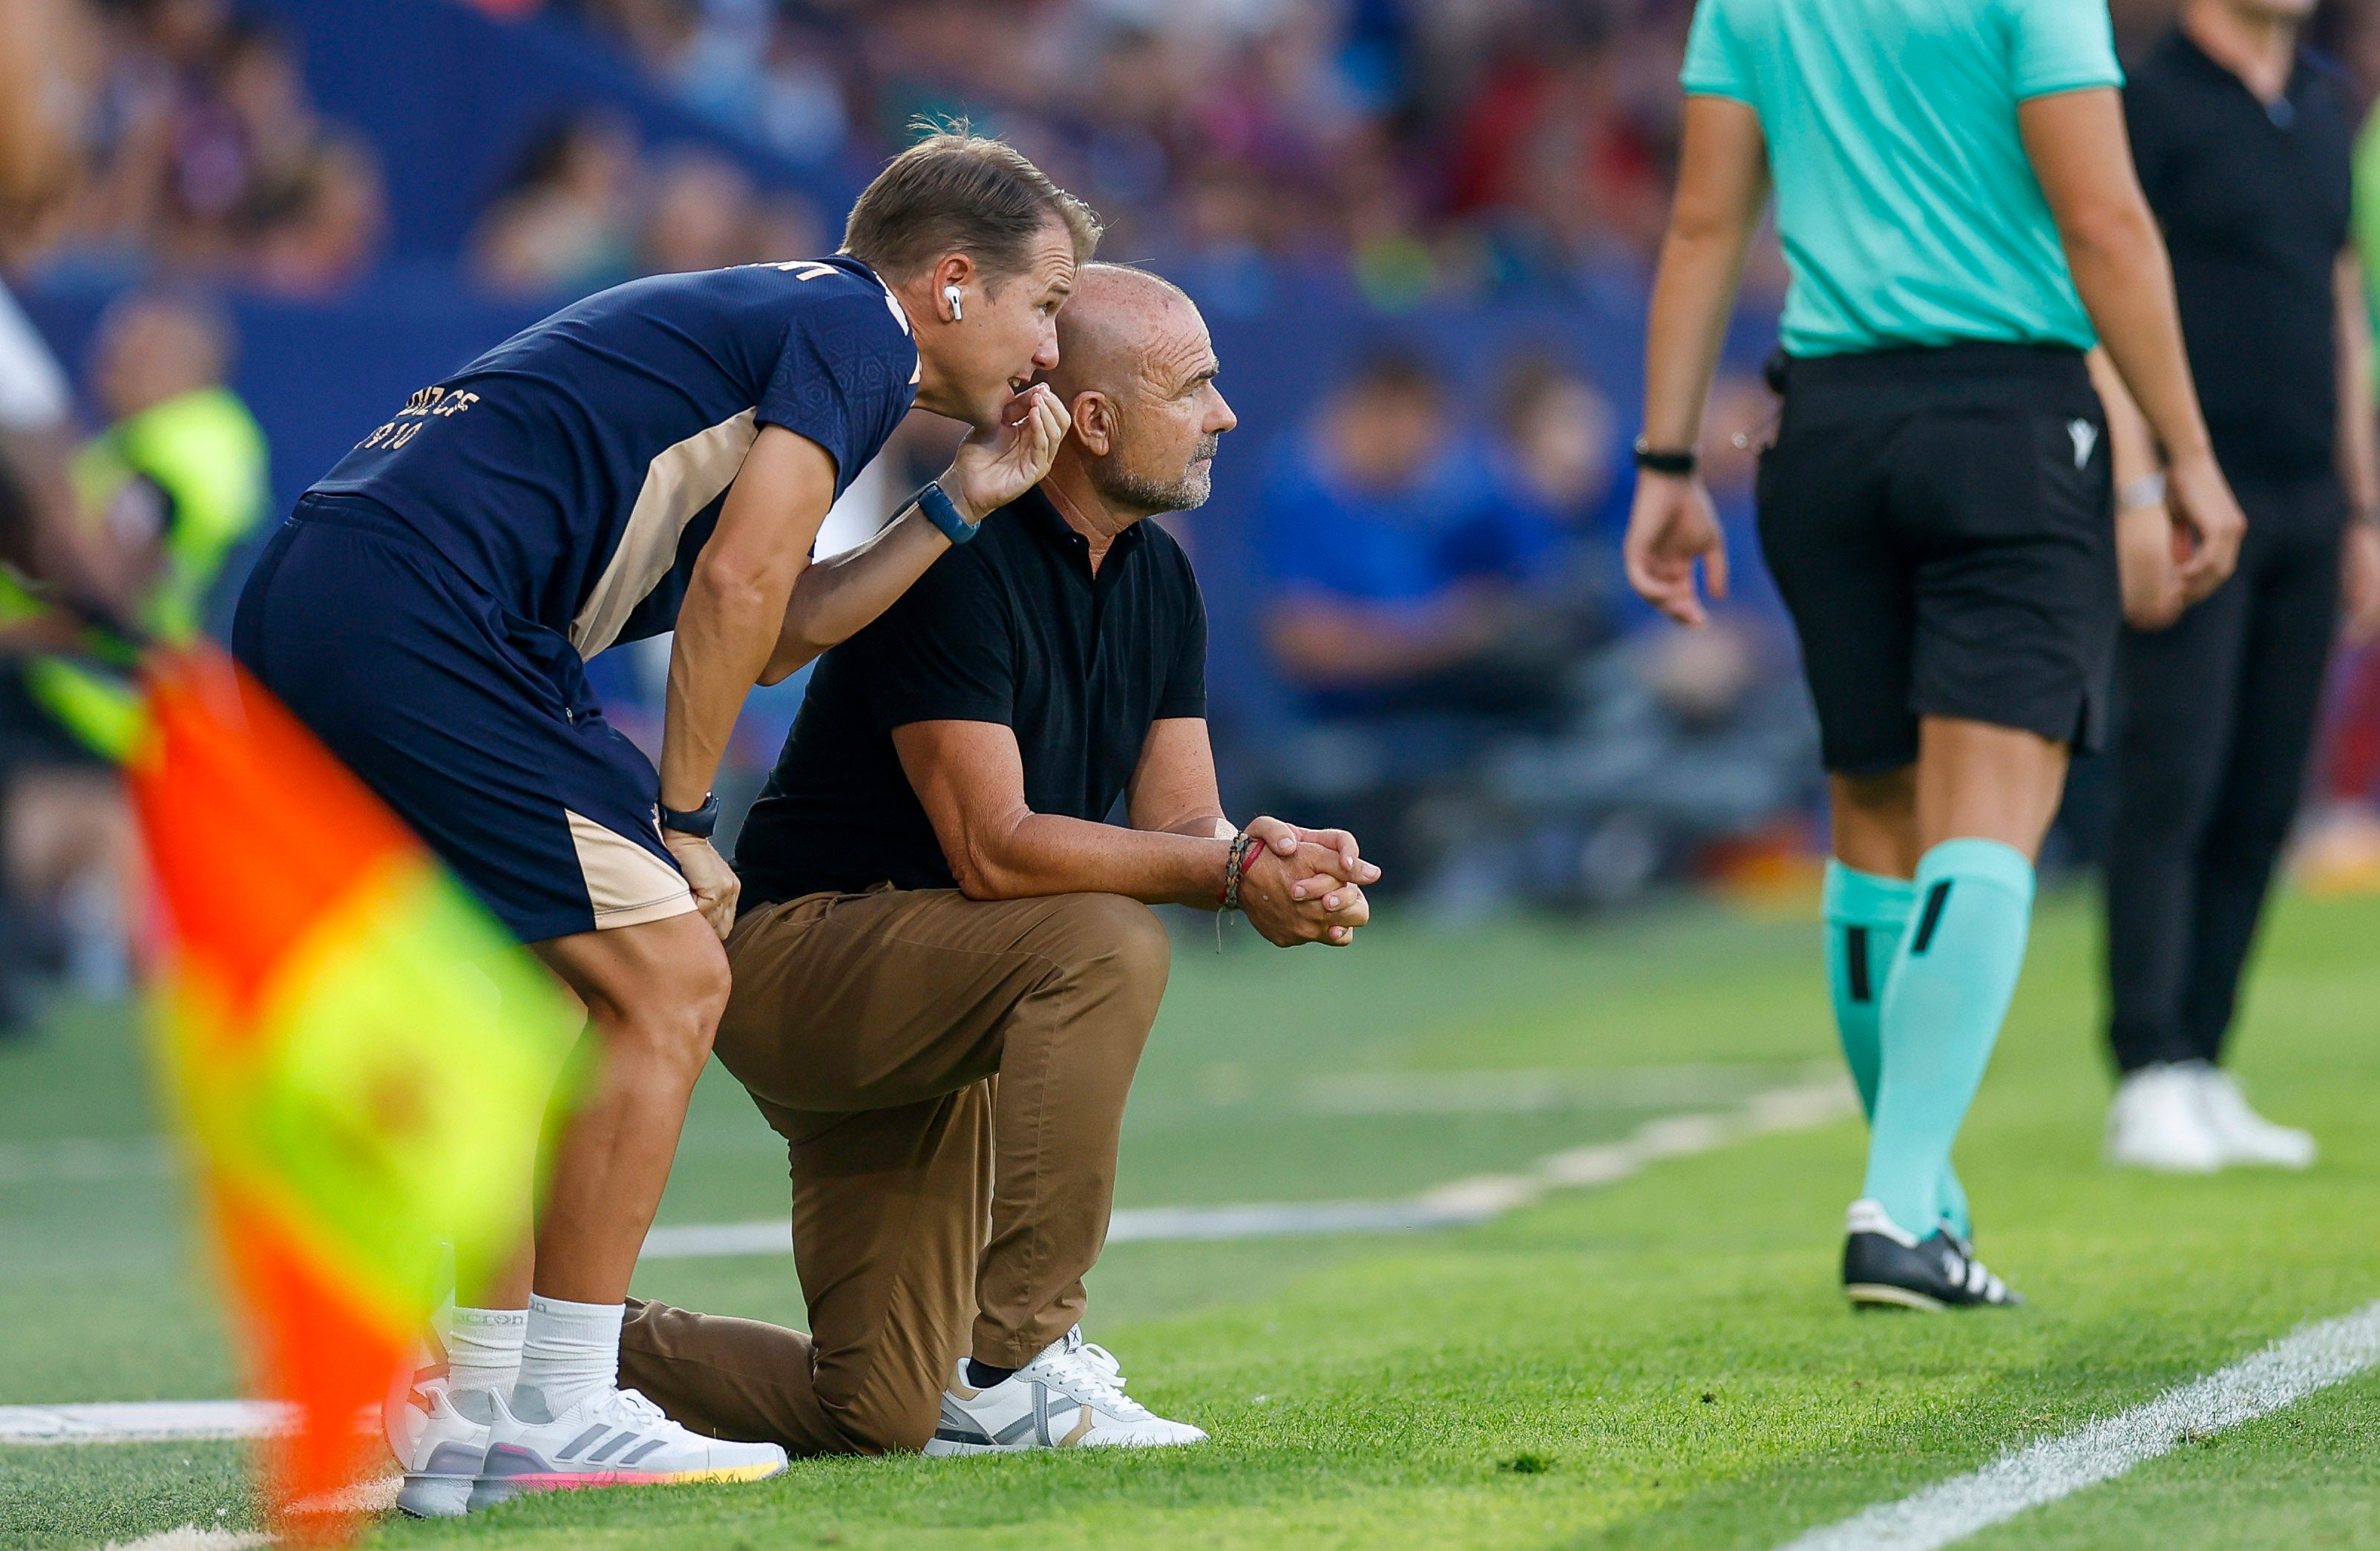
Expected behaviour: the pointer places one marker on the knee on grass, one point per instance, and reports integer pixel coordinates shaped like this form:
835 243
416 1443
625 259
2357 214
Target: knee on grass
901 1421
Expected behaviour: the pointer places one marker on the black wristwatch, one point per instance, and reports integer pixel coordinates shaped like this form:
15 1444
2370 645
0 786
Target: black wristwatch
1662 460
702 821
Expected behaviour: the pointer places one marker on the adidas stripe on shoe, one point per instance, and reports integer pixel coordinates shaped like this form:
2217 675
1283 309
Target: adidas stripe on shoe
612 1437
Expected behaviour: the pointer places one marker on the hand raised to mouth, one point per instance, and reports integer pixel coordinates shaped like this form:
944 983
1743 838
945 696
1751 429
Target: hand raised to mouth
994 469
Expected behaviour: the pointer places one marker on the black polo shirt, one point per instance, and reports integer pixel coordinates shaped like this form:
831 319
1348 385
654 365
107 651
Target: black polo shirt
2255 203
1011 628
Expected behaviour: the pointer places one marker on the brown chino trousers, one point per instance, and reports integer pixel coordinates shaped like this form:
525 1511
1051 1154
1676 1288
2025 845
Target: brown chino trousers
949 1077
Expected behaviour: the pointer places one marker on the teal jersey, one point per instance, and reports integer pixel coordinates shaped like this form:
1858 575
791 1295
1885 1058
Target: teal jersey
1909 214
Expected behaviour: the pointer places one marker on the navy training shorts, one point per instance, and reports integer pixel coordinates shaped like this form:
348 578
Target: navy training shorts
477 726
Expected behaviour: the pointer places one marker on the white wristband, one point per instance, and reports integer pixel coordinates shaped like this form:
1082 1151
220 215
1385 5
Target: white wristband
2146 490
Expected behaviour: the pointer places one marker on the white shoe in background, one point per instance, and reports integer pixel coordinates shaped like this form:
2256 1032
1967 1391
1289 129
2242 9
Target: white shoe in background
2159 1121
1070 1396
2242 1135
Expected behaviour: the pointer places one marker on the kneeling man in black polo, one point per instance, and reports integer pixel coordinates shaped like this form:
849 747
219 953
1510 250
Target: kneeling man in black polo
946 965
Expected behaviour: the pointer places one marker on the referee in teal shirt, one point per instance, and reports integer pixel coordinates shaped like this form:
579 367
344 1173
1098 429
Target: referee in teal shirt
1970 254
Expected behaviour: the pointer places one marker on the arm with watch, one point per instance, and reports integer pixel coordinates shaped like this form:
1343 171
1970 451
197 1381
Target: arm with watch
756 609
838 595
1722 187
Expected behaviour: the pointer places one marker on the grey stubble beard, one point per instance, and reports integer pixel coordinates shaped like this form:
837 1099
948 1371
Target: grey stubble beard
1153 496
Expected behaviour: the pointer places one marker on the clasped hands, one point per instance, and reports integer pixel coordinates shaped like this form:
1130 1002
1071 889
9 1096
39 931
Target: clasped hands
1306 885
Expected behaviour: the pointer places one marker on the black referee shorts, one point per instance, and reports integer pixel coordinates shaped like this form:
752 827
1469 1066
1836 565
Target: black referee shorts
1941 524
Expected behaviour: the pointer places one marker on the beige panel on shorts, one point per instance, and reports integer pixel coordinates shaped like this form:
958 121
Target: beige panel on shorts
626 883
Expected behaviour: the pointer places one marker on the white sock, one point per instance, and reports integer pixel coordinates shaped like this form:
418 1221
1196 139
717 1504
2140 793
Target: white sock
572 1351
483 1349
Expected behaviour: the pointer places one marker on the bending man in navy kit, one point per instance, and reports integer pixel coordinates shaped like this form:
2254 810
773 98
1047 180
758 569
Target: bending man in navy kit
657 456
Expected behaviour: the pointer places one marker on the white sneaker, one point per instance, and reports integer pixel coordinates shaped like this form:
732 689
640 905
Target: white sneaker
440 1436
2159 1121
613 1437
1070 1396
2242 1135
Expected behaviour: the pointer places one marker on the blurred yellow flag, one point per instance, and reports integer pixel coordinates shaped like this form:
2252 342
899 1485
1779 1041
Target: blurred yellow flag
361 1056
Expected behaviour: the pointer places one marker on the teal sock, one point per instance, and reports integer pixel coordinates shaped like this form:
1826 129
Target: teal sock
1951 1203
1866 914
1943 1004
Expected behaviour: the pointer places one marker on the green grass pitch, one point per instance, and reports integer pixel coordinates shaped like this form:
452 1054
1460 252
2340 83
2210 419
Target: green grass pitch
1662 1363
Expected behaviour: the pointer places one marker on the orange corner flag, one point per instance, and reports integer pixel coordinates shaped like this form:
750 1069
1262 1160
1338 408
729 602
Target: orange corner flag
361 1058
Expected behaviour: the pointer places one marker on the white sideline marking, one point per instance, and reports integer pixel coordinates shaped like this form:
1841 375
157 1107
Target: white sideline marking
1540 1091
1474 1200
2283 1374
140 1422
79 1160
376 1496
189 1537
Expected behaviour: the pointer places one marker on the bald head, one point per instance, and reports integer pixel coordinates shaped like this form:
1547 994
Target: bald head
1117 318
1137 370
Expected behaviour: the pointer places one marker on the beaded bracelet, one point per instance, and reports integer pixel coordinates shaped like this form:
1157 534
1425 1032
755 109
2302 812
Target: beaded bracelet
1245 849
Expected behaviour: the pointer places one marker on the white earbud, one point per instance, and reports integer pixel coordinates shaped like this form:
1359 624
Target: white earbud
950 295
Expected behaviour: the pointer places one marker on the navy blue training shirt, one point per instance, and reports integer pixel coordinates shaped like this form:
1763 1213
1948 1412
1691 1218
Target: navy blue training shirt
577 469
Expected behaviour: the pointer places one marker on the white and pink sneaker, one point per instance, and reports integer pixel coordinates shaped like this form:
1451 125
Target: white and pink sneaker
612 1437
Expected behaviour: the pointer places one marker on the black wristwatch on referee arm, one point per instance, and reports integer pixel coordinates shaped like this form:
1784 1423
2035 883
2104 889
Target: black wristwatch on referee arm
701 822
1678 463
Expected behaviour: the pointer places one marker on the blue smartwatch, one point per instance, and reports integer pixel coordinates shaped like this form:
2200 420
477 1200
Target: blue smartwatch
943 512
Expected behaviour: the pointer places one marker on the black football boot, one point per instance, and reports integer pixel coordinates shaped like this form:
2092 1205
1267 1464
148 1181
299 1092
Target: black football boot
1886 1269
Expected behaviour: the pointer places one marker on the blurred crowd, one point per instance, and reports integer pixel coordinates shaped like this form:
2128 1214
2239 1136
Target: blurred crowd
1423 149
1465 670
1428 148
584 208
206 158
1439 149
205 154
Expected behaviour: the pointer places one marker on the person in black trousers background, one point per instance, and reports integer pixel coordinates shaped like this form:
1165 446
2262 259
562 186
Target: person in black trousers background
2244 142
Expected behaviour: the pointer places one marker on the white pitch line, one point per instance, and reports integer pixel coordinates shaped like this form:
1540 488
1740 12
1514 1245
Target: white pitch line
82 1161
138 1421
1541 1092
78 1160
2283 1374
1464 1202
189 1537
